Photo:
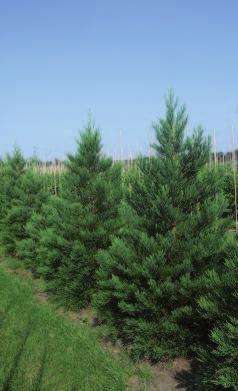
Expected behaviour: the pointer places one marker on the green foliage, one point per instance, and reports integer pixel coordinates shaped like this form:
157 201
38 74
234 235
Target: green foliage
21 194
11 170
218 360
172 233
27 249
219 307
228 175
80 222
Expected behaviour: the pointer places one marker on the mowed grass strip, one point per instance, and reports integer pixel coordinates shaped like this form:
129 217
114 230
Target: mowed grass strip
41 351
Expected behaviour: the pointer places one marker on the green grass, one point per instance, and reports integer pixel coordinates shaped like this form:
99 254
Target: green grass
42 351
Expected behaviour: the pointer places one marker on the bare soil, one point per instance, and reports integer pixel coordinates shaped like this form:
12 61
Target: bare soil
173 376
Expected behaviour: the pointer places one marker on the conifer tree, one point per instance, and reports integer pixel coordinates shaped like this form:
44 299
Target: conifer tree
151 277
80 222
219 306
220 358
27 248
227 173
11 171
21 194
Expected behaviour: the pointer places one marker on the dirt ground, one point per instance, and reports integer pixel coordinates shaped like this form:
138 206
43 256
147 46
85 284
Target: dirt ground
167 377
173 377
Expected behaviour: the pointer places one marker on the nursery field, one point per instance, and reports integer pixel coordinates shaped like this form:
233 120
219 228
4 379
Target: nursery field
39 350
150 249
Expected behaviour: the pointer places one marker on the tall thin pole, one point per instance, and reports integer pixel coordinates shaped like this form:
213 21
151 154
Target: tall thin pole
121 147
234 175
214 146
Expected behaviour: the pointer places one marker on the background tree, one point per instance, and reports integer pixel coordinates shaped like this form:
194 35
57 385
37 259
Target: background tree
11 169
81 221
21 194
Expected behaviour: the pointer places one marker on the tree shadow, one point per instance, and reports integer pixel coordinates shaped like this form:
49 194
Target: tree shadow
7 386
39 378
188 379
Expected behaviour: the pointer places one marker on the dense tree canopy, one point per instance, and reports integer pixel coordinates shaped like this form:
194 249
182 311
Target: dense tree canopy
151 277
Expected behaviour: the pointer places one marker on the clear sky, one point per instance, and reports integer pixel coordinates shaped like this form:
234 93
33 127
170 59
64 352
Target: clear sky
61 58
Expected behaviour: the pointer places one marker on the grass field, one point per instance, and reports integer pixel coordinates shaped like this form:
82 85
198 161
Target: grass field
42 351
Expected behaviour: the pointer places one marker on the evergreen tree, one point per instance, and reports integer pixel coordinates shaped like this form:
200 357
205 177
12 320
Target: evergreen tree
219 306
11 170
30 197
227 173
151 277
27 248
219 368
21 194
81 222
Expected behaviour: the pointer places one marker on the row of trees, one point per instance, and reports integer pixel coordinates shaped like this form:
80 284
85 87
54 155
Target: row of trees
150 249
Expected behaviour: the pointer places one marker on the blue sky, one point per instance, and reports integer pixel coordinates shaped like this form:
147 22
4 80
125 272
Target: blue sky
59 59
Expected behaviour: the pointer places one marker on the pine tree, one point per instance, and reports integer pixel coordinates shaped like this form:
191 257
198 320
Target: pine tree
11 170
227 173
17 200
218 369
151 277
22 194
80 222
27 248
219 306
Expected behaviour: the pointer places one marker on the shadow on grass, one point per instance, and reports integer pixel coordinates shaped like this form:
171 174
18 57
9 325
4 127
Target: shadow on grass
7 386
39 378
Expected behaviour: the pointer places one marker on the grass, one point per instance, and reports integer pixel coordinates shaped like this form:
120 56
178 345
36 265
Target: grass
42 351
